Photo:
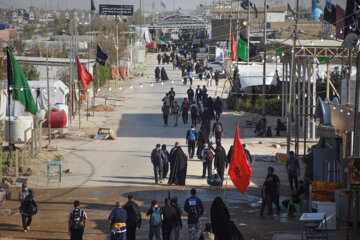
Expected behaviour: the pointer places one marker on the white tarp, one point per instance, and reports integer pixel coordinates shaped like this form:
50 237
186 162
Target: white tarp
252 75
143 34
58 92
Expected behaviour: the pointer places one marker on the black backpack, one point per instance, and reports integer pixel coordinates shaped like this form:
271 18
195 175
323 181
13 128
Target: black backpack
77 218
193 214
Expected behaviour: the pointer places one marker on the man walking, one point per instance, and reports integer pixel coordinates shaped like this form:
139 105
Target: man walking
77 222
268 190
293 171
207 156
169 219
198 94
220 161
185 111
133 218
194 113
155 220
158 58
190 94
217 130
191 76
166 112
117 220
26 196
195 209
172 96
175 111
156 158
191 137
216 76
276 195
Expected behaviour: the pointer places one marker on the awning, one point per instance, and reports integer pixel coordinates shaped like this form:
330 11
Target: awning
160 42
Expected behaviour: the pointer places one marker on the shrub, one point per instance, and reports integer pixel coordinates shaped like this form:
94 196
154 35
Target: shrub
231 102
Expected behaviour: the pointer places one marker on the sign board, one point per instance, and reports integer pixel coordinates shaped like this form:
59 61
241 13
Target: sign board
123 10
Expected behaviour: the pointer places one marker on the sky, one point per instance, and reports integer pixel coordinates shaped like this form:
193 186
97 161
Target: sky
170 4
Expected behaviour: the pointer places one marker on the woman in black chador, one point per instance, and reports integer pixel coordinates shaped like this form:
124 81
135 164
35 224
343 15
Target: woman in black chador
178 160
164 76
157 73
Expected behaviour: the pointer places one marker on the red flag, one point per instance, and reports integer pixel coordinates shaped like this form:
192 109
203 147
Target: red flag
83 75
239 169
153 44
233 47
147 44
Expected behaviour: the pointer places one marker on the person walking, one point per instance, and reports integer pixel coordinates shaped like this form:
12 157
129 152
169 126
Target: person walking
163 58
208 78
191 76
133 218
166 100
268 190
185 111
217 130
276 195
165 161
166 112
191 137
178 225
174 63
169 219
198 94
178 166
220 162
207 155
218 105
204 92
293 170
175 111
190 94
193 113
77 222
195 209
157 73
117 221
172 96
155 220
247 154
184 75
158 58
216 76
156 158
28 206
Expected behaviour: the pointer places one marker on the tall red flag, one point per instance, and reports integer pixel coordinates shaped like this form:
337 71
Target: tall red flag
239 169
83 75
233 47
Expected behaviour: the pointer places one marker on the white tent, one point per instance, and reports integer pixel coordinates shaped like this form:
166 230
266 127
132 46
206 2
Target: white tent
252 75
58 92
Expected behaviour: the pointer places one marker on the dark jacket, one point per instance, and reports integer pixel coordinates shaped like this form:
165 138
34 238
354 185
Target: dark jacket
133 213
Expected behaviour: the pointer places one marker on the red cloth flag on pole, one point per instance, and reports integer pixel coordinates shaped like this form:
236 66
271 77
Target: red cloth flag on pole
83 76
239 169
147 44
233 47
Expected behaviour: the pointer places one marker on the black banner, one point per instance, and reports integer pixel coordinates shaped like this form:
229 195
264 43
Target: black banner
124 10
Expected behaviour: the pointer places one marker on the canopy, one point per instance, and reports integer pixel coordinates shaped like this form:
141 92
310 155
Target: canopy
252 75
160 42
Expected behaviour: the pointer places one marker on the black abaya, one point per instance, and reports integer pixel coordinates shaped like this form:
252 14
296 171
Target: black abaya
157 73
178 171
164 76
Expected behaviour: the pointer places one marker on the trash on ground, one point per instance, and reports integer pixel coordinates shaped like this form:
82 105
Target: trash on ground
105 134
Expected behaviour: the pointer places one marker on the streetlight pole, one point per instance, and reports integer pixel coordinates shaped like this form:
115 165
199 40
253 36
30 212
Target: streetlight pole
248 34
264 69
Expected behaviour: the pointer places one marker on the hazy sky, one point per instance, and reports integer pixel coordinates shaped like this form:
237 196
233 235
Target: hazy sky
184 4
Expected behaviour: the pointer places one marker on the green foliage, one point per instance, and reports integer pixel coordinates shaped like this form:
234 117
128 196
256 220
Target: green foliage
272 105
231 102
308 160
105 74
58 157
29 31
30 72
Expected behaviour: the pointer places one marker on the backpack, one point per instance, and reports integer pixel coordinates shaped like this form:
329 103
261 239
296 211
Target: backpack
193 110
209 154
29 206
77 218
192 136
156 156
155 218
185 105
163 57
218 128
172 94
193 215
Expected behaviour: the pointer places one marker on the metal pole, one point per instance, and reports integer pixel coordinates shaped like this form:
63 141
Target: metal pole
328 80
71 72
48 95
230 37
357 110
264 69
348 80
117 54
291 84
248 33
9 70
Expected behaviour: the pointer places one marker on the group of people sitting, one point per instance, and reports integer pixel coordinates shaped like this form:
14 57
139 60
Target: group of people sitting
262 129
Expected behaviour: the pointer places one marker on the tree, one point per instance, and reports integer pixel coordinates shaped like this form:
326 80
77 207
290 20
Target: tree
30 72
3 69
29 31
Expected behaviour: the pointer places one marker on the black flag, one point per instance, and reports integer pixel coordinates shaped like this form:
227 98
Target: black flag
255 9
101 56
289 9
351 17
92 6
330 14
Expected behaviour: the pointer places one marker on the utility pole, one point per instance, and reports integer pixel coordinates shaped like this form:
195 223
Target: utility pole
264 69
230 21
248 33
117 52
291 84
48 96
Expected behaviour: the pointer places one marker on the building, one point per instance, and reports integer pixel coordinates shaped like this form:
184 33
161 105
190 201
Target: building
7 34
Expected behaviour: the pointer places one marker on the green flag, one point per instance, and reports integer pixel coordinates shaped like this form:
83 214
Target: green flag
242 50
19 85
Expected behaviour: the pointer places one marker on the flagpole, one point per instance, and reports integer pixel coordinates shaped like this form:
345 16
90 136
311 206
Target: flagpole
48 95
9 101
264 67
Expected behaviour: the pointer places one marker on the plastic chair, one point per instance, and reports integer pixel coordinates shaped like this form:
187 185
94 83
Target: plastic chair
297 206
